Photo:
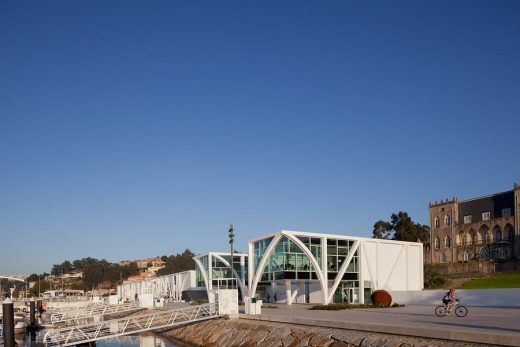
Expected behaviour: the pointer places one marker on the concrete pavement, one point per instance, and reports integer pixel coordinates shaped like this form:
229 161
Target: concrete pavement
485 325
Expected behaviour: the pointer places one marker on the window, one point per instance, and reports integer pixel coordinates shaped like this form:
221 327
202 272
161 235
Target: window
487 237
502 253
466 256
485 216
506 212
464 239
436 222
442 258
447 220
447 241
467 219
511 235
437 243
498 236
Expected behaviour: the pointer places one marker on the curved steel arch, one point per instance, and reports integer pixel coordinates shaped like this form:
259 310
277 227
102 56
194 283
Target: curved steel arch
326 293
203 271
205 274
243 288
268 252
319 270
13 278
261 266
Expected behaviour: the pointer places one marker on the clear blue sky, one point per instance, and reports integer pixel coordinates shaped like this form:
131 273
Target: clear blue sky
132 129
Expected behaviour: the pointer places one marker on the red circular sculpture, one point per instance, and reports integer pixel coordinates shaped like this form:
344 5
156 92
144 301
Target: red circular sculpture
381 297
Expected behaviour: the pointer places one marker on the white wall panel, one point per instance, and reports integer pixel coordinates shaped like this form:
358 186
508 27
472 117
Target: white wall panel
369 261
387 254
415 267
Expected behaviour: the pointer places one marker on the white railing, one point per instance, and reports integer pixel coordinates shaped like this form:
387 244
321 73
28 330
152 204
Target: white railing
73 306
94 309
130 325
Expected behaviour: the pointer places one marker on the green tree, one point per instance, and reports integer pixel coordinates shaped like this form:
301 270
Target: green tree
129 270
433 280
178 263
63 268
39 288
94 273
401 227
382 230
33 278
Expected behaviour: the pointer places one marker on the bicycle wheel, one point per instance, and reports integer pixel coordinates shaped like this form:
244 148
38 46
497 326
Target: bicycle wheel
440 311
461 311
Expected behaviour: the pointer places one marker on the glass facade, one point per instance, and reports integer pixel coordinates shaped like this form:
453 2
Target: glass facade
289 262
219 269
337 252
199 278
346 293
221 275
259 249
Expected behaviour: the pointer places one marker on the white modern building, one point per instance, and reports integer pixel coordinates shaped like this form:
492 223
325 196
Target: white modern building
168 287
302 267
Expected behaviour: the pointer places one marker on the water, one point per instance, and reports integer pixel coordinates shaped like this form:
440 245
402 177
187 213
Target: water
144 340
148 340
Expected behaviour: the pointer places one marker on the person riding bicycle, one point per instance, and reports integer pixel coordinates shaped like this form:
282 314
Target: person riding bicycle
449 300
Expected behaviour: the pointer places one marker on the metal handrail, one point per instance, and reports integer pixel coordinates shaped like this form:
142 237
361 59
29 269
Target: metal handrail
86 304
94 310
130 325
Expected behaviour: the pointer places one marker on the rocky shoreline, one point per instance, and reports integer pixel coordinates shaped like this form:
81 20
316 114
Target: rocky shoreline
250 333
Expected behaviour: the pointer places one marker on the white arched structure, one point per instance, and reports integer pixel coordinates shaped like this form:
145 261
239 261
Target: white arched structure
209 276
14 278
366 265
276 240
240 277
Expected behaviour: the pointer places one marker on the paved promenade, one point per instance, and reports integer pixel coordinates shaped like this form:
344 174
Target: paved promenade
486 325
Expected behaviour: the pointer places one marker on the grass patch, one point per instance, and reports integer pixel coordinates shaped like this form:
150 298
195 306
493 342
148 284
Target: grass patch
507 280
337 307
467 275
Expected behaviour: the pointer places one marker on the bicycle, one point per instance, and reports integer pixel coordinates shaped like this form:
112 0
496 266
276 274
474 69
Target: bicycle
460 310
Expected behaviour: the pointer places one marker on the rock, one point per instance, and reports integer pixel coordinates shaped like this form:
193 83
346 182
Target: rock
320 341
305 339
256 335
245 333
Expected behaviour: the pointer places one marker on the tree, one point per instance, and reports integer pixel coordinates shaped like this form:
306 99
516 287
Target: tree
401 227
129 270
178 263
39 288
33 278
60 269
382 230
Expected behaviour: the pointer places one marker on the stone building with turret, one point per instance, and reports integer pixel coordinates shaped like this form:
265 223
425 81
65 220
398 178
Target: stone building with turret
482 228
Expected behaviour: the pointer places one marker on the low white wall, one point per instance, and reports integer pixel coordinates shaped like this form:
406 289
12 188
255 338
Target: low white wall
505 297
227 301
